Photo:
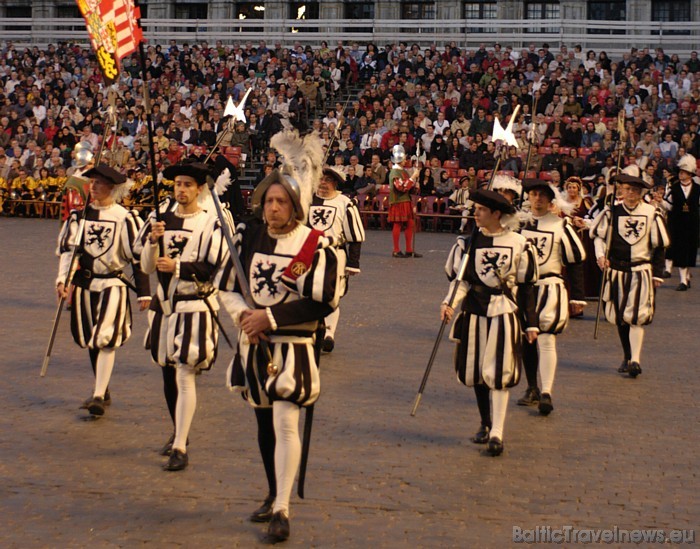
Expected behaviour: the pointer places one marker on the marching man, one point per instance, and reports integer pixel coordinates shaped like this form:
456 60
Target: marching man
182 332
488 330
101 311
556 245
683 204
293 274
630 238
337 217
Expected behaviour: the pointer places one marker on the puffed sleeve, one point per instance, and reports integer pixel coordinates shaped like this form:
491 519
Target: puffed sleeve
454 258
230 294
527 275
573 251
66 242
659 242
599 231
354 233
130 229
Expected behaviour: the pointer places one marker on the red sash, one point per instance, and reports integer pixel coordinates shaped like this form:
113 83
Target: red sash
301 262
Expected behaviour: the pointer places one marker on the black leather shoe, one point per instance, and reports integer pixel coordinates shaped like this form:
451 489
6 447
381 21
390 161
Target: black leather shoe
264 512
96 406
413 254
482 435
635 369
545 407
624 367
177 462
328 344
279 528
108 398
666 274
495 447
531 397
682 287
398 254
167 448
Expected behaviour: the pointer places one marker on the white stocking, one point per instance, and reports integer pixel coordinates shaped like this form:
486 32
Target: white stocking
669 265
636 340
186 405
499 403
332 323
103 371
547 344
684 272
285 416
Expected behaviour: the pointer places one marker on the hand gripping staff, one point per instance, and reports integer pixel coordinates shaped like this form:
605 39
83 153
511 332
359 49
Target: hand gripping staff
611 204
500 136
236 261
111 114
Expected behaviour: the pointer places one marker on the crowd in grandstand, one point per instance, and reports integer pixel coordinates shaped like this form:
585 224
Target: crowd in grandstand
440 103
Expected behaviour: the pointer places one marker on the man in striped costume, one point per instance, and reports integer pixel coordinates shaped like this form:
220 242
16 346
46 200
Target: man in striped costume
101 312
182 332
556 245
293 273
337 217
634 265
488 330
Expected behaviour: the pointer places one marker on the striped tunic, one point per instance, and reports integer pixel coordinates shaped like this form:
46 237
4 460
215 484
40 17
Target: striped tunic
556 245
488 328
101 312
339 219
294 304
182 329
636 256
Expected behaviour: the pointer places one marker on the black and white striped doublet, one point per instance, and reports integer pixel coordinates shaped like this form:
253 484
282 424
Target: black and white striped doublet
556 244
182 329
296 295
339 218
638 239
101 312
488 328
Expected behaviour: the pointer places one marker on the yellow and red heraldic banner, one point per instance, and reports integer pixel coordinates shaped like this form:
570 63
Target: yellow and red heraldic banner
113 26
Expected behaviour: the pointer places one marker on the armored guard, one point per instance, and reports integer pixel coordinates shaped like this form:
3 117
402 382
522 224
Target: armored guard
293 274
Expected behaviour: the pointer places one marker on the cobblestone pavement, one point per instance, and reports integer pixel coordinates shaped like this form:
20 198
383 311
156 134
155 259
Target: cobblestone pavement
615 451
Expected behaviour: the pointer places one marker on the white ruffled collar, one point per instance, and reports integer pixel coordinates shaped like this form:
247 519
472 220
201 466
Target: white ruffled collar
281 236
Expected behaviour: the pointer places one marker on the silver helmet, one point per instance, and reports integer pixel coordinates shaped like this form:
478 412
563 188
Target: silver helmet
398 154
290 185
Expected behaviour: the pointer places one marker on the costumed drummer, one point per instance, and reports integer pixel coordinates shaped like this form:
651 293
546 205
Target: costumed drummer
634 265
293 272
488 330
683 204
338 217
401 214
183 334
101 311
556 246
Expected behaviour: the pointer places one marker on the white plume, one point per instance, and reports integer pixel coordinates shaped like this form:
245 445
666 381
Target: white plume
222 182
560 203
302 160
121 191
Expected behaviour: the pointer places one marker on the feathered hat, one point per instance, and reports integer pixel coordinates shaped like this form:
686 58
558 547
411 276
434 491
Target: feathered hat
299 174
507 183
